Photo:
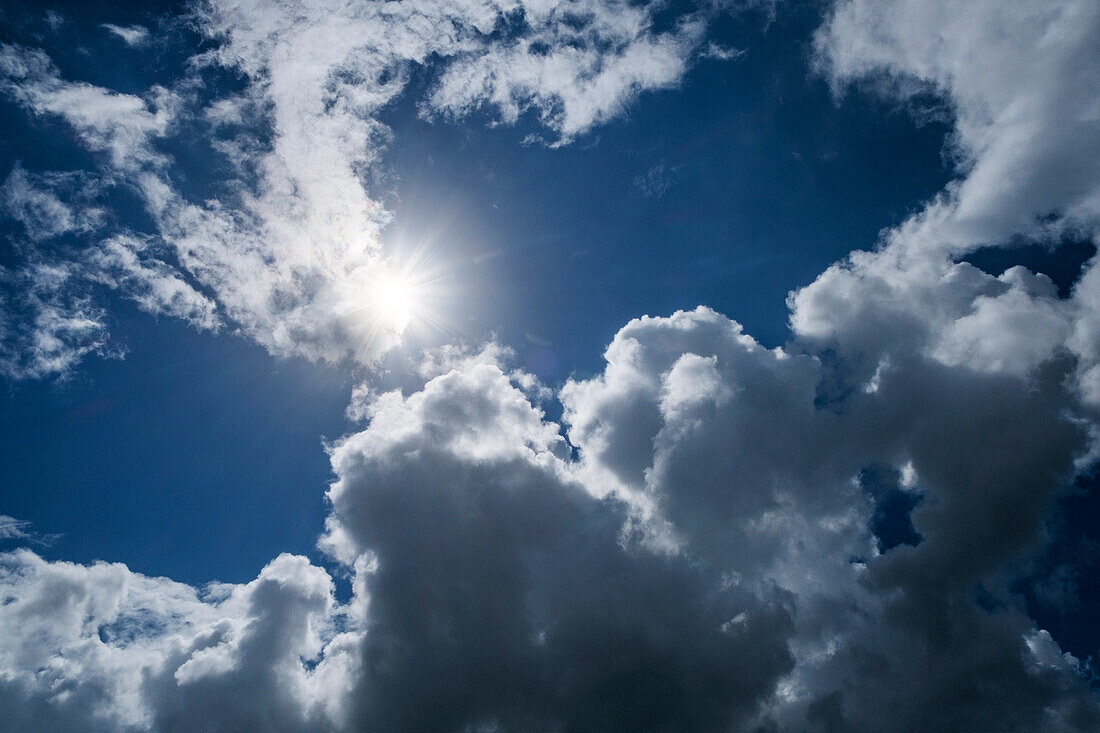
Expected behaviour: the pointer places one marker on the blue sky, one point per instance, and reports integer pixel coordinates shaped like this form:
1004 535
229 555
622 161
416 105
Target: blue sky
205 203
571 248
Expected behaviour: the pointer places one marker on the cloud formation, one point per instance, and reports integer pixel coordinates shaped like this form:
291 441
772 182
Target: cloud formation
289 249
501 581
700 543
1009 74
102 648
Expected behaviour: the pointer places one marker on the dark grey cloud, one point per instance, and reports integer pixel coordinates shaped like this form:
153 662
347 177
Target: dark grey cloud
505 595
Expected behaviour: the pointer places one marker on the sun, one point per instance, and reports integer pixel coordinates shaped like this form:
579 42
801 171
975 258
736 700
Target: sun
394 298
393 301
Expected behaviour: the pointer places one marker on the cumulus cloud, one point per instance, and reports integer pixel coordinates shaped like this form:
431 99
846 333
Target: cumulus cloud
611 573
1008 347
102 648
1024 142
752 473
503 595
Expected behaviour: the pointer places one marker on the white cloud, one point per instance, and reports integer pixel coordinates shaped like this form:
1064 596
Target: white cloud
131 35
14 529
121 125
1016 330
33 201
101 648
291 252
125 262
22 532
47 325
1013 76
577 67
1017 77
54 20
656 181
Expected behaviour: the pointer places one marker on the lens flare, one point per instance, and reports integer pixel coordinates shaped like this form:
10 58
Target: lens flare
393 301
407 296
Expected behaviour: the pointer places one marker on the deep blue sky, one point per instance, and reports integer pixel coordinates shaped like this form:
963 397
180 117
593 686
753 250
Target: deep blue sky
768 181
886 521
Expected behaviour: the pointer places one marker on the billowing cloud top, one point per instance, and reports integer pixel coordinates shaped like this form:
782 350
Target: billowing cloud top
698 544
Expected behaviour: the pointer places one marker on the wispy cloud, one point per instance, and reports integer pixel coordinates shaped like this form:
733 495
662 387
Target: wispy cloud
131 35
292 256
655 182
22 532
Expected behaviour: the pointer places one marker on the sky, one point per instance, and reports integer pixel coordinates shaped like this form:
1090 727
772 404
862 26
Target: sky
580 365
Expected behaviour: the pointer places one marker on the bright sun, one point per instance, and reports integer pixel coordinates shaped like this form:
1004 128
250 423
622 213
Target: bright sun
390 296
393 301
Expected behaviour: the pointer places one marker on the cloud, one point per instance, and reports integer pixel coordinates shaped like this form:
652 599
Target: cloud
656 181
290 248
1006 347
1024 130
54 20
579 64
34 201
1010 74
612 572
503 596
49 319
21 531
131 35
130 264
755 478
724 53
123 126
47 324
12 528
101 648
